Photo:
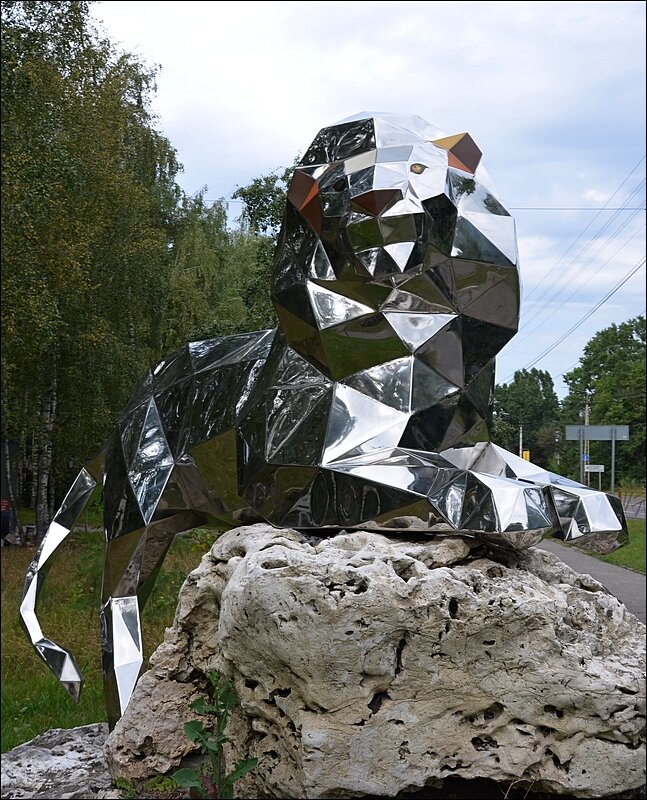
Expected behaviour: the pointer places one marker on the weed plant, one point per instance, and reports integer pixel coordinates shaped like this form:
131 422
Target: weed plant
211 780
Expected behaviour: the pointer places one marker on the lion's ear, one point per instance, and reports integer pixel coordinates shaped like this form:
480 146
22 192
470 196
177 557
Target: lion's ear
462 151
303 193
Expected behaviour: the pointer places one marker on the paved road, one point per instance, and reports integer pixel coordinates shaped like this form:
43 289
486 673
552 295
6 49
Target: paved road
634 506
628 586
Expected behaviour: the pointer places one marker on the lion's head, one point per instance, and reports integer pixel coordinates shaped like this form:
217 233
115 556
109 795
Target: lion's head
394 246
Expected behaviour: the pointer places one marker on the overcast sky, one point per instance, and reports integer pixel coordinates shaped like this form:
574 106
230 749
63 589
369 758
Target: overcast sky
552 92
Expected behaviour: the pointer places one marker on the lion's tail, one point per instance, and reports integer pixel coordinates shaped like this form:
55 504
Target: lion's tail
59 660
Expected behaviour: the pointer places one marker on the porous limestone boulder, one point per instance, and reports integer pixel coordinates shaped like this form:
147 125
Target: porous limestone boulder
61 763
368 664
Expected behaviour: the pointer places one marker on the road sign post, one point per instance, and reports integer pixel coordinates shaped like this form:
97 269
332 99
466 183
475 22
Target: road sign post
612 433
599 468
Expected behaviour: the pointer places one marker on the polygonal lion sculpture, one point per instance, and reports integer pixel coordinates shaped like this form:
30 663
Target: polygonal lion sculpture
395 285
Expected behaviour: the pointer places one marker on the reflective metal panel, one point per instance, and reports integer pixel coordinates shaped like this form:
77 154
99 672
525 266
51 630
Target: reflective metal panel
395 284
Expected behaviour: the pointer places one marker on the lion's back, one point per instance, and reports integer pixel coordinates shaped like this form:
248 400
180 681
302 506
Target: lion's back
190 396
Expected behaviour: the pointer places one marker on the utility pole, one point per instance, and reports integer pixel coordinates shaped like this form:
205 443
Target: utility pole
520 440
587 452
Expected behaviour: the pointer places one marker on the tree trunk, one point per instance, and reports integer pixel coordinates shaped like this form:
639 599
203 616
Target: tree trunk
10 487
22 451
34 470
45 461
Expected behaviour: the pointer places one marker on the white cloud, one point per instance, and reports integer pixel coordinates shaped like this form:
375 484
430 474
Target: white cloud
553 93
596 196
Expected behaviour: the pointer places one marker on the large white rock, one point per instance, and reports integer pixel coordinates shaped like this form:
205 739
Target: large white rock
62 763
366 664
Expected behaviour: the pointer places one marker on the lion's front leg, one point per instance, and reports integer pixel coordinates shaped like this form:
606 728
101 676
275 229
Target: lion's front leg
122 652
132 564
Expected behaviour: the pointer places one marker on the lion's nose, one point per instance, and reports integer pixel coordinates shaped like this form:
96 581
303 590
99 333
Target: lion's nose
377 200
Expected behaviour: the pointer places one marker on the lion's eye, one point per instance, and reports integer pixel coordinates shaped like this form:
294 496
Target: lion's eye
418 168
339 185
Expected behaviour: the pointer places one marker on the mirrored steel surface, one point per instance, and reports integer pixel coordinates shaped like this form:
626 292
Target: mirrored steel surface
395 285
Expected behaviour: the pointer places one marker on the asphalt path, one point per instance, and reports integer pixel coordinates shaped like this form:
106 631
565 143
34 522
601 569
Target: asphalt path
628 586
634 506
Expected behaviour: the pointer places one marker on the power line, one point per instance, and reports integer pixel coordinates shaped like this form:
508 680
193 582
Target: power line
560 277
581 321
610 294
553 290
575 364
527 331
572 245
568 369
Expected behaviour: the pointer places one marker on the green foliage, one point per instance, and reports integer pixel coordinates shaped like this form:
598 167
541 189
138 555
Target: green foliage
244 285
246 281
199 253
88 193
612 373
213 782
264 201
126 787
529 400
198 538
160 783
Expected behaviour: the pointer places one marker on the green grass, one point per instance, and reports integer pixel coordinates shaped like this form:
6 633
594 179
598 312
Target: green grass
92 516
32 699
632 555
